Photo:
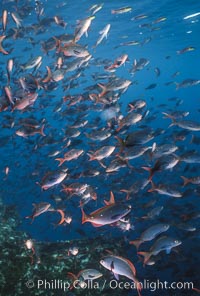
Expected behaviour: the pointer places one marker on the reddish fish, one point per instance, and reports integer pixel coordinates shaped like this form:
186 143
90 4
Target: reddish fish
121 266
1 46
108 214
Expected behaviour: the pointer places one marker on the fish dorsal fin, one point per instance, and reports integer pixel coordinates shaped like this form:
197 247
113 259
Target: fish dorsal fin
111 201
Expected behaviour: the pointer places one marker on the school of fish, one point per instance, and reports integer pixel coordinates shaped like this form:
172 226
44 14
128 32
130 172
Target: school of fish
89 148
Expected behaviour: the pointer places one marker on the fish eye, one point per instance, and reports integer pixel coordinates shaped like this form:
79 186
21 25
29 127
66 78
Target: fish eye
176 241
77 52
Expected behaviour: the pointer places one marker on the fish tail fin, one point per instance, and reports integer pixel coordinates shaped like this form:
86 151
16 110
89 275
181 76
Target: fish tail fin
104 91
136 243
84 216
1 47
30 217
166 115
91 156
102 86
119 128
177 85
121 141
131 108
146 256
61 161
127 193
138 287
49 75
42 130
150 170
153 188
58 43
185 180
72 276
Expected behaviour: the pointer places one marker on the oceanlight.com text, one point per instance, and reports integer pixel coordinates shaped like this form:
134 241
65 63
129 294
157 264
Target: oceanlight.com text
152 286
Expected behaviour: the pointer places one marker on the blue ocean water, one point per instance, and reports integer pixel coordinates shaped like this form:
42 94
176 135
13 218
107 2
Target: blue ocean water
166 34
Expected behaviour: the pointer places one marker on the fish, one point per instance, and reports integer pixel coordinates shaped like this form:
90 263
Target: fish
74 189
135 152
98 135
2 50
139 17
131 118
139 65
9 69
121 266
52 178
191 15
138 137
149 234
73 49
4 19
136 104
39 209
154 212
185 49
192 180
187 124
186 83
60 22
128 43
83 27
115 84
164 149
163 243
165 190
117 63
157 71
86 274
190 157
115 165
135 187
28 131
109 214
27 101
102 153
16 18
121 10
32 63
165 162
95 8
151 86
103 34
160 19
70 155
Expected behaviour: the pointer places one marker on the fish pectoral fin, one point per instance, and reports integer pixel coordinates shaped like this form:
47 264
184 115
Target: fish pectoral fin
168 251
116 276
